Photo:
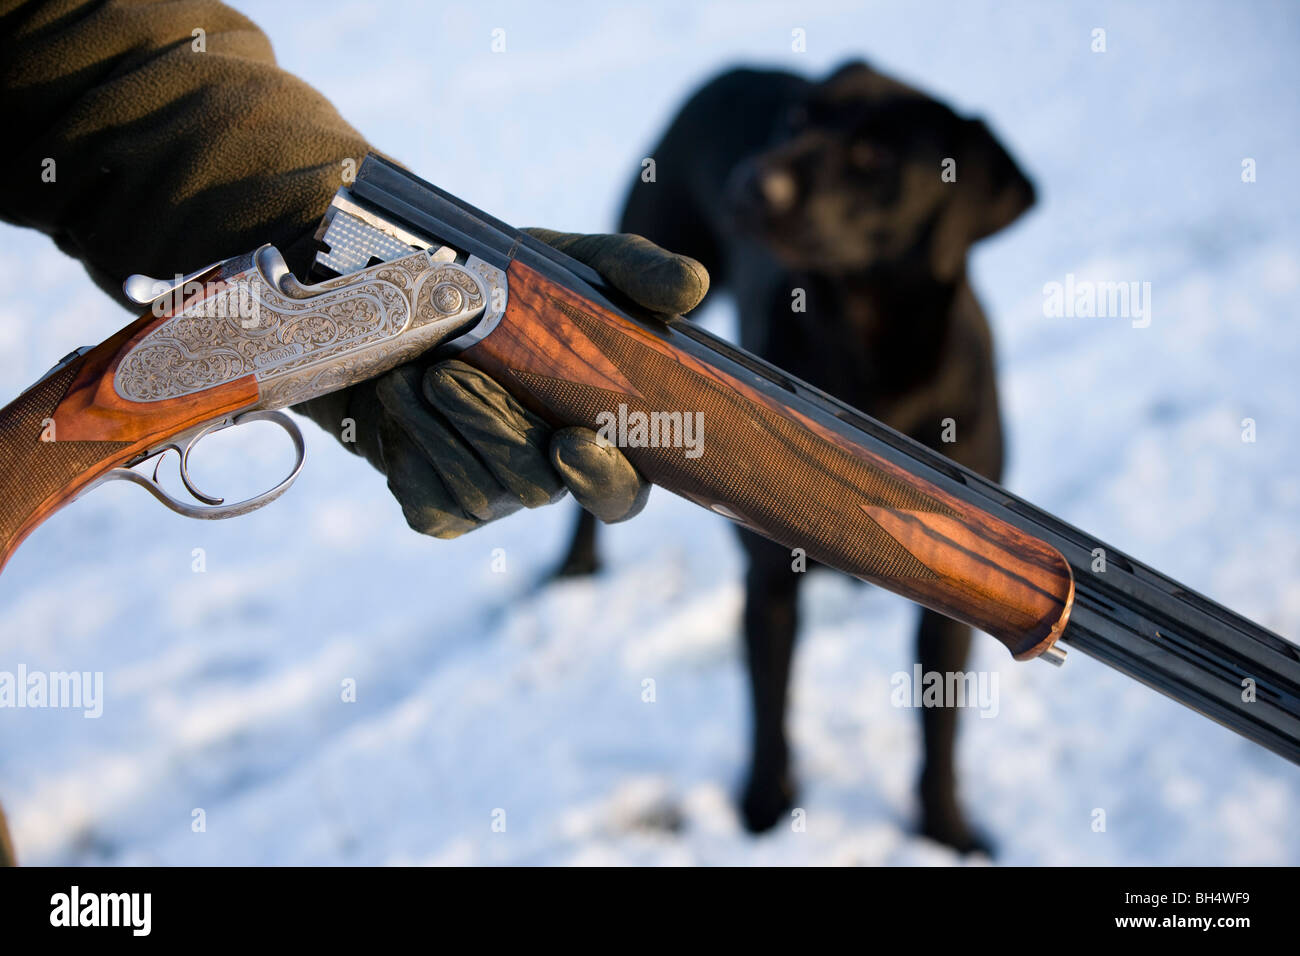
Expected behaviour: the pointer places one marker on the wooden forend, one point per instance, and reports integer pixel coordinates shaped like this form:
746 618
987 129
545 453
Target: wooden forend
775 470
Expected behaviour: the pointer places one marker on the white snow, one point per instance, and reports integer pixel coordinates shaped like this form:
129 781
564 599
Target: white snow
479 692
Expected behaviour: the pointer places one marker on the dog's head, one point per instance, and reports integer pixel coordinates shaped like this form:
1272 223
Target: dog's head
854 179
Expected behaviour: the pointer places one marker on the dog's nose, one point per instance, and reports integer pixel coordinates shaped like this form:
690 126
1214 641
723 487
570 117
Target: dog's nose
778 189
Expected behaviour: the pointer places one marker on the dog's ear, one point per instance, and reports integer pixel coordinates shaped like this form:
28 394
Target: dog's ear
850 71
856 80
990 193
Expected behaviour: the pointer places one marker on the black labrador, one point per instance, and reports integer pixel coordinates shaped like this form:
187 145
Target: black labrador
839 214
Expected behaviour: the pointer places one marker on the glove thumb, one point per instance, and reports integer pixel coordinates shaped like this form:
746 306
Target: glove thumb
597 474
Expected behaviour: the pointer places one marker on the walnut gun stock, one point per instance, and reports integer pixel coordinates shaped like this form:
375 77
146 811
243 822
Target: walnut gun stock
405 267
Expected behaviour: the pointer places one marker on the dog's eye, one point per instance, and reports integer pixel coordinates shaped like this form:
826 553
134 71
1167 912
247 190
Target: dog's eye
864 155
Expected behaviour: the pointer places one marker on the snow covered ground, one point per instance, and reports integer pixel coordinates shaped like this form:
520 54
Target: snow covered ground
478 692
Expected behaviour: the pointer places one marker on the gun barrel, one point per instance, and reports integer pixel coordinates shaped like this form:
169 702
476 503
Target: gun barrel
1128 616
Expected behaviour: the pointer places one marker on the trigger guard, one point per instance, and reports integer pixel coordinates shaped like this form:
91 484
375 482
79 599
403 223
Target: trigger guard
215 508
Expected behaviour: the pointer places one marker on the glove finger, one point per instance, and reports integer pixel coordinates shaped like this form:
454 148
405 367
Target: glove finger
511 441
649 275
426 503
473 487
600 477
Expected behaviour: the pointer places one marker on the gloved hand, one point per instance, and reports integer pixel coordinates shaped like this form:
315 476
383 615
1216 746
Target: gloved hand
459 451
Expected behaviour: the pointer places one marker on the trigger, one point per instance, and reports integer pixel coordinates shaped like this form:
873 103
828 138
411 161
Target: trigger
188 482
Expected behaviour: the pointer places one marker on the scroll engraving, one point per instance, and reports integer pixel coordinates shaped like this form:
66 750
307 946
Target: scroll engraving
300 345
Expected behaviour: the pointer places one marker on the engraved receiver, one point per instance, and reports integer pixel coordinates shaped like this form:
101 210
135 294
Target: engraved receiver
230 344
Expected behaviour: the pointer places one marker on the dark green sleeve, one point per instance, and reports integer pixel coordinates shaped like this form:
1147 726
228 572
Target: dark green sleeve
165 157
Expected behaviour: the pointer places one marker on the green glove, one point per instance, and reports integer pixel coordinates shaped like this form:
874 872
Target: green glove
459 451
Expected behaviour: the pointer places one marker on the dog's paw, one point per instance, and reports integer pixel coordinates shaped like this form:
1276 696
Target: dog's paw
764 804
950 829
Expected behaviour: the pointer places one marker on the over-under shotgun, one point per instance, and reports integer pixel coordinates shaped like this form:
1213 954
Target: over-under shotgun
405 267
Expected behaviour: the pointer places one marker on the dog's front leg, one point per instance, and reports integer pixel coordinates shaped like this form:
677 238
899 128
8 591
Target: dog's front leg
582 558
942 647
771 620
